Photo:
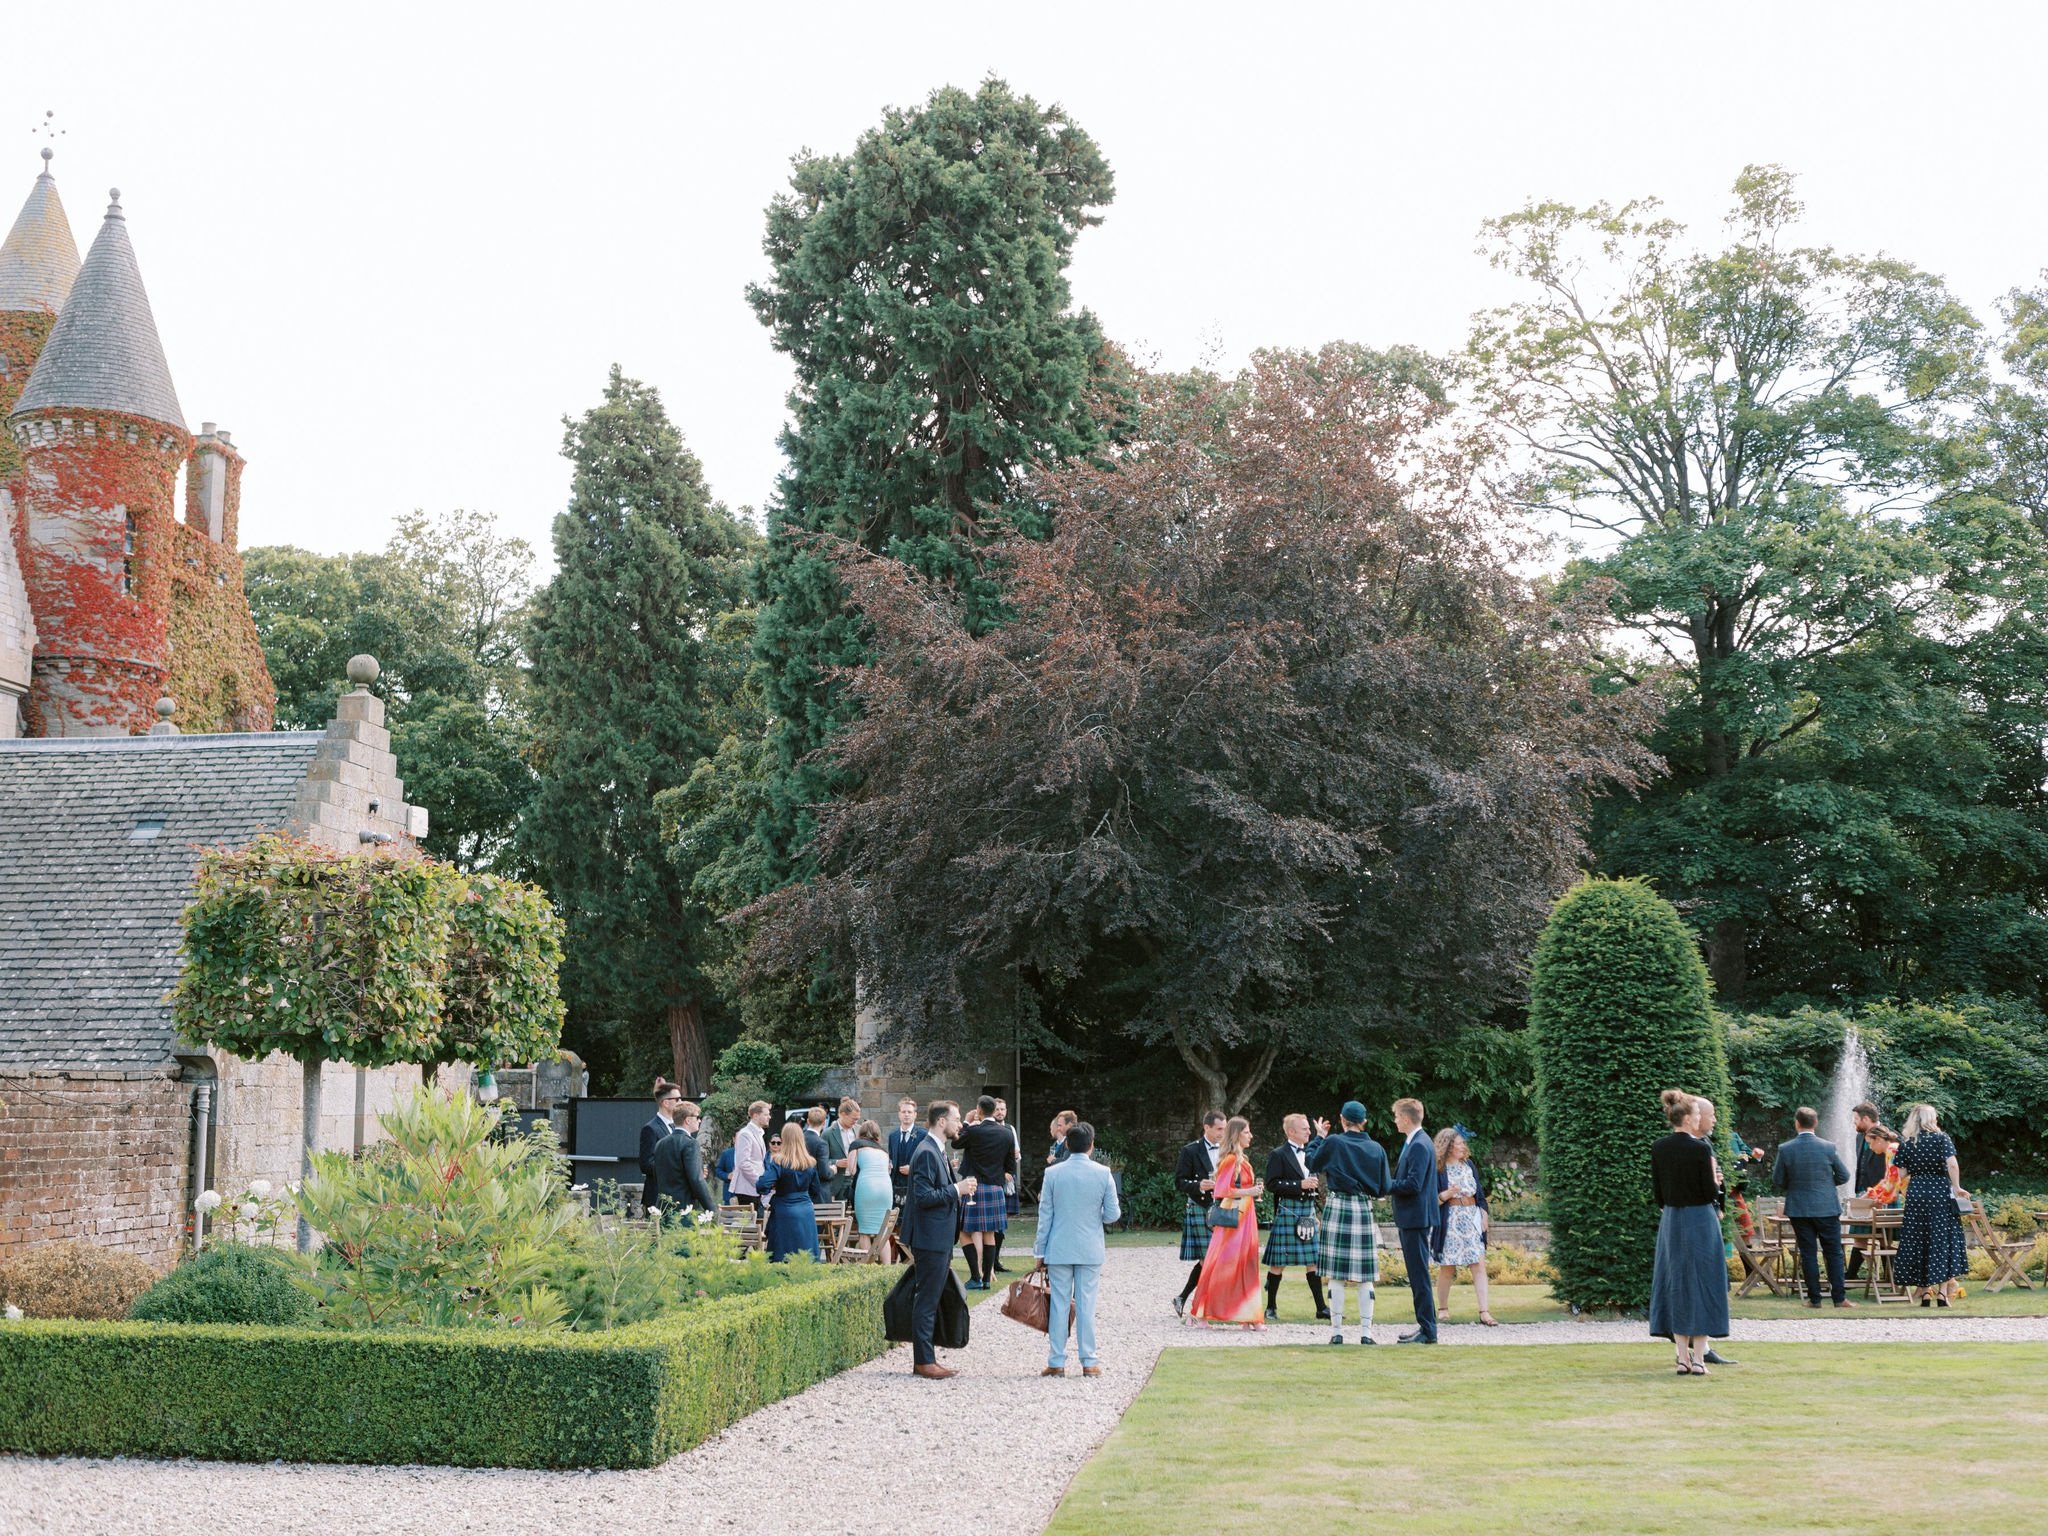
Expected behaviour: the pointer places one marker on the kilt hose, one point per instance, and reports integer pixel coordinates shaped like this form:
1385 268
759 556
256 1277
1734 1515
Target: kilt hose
1283 1249
1194 1233
987 1211
1348 1247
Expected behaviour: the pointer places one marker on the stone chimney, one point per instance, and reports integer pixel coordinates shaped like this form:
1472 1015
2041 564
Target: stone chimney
352 796
213 486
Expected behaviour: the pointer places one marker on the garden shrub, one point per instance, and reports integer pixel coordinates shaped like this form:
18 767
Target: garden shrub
616 1274
228 1283
441 1225
74 1279
1618 1006
459 1397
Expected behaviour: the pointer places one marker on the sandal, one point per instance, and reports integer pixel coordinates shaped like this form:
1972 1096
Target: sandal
1487 1319
1699 1368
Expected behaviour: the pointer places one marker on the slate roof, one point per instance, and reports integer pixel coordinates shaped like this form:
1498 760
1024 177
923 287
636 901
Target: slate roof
104 352
38 259
90 896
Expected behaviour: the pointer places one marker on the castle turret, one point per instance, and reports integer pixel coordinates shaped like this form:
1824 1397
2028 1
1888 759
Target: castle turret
101 438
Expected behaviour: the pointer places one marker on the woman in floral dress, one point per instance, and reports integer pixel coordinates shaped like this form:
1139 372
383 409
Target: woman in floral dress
1461 1238
1228 1291
1933 1254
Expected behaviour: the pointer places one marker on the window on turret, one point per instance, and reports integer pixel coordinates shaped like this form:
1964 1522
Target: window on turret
128 558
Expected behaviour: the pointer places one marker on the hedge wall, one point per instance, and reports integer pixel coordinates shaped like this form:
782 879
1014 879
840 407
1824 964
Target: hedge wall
485 1398
1619 1011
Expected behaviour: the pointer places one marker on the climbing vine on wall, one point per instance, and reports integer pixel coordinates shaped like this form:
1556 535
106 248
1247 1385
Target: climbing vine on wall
370 958
217 672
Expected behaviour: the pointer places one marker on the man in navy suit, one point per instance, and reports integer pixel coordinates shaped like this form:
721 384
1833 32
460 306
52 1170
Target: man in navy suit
1807 1173
668 1098
902 1142
1416 1214
931 1218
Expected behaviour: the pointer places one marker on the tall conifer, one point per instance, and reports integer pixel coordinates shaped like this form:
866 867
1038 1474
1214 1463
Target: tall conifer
919 284
622 709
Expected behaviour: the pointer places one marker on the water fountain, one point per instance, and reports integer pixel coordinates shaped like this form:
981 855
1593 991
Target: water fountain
1851 1086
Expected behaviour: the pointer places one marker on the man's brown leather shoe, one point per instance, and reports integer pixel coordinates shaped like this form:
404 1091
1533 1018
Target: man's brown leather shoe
1091 1370
1054 1370
932 1372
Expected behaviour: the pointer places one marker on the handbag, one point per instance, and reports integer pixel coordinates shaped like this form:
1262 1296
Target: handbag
1030 1302
1220 1215
898 1306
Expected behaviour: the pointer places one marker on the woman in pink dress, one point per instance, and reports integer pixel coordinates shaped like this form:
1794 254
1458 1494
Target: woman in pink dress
1229 1288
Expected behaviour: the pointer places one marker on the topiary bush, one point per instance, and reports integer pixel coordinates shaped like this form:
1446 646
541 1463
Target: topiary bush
228 1283
1619 1010
73 1279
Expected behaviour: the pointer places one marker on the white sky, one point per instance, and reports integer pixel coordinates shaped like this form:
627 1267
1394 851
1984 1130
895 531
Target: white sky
390 247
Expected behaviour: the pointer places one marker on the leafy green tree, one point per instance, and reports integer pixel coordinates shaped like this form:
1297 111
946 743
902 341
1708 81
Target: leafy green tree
919 286
1747 430
1618 1008
440 608
625 697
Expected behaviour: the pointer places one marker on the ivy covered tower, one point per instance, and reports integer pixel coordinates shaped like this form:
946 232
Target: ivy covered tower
127 601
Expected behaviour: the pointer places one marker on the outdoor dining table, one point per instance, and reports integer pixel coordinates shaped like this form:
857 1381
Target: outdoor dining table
1878 1242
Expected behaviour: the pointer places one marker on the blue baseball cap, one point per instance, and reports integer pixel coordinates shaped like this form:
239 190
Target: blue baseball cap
1353 1111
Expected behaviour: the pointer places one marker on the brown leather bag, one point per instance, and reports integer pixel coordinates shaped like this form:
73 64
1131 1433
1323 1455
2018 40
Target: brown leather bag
1030 1301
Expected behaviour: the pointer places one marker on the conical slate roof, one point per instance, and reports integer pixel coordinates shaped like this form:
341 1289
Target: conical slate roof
103 352
39 259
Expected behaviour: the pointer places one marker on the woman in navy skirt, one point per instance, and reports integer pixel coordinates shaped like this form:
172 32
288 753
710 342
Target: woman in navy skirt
1689 1291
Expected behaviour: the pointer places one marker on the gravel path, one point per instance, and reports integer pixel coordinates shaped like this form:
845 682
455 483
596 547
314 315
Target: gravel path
870 1449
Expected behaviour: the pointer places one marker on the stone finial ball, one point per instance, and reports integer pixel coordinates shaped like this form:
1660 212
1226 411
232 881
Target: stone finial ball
166 707
363 670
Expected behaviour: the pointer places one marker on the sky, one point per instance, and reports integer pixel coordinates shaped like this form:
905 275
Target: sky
390 246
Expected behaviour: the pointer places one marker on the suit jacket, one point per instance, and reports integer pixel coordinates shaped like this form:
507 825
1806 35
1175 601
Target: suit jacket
1076 1201
1870 1165
901 1144
988 1151
1806 1173
1284 1172
652 1135
931 1206
838 1186
1414 1186
750 1156
1193 1167
679 1173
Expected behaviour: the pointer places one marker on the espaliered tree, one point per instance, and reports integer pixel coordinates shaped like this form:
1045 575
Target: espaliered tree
371 958
919 286
1276 755
623 699
1618 1006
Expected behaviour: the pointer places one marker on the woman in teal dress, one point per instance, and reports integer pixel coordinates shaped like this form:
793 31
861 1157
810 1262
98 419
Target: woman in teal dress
872 1194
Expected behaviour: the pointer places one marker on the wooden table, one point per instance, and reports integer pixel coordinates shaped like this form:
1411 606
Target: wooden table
1877 1244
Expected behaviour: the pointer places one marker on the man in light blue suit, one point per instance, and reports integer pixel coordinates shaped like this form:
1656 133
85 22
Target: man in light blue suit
1076 1201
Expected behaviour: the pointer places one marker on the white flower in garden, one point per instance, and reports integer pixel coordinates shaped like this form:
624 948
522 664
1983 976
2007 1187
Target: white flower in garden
260 1188
208 1200
13 1313
251 1210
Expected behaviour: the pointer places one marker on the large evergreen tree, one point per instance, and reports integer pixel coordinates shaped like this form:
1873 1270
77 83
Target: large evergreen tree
919 285
623 700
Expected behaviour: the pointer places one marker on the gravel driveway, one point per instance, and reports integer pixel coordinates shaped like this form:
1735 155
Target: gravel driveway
872 1449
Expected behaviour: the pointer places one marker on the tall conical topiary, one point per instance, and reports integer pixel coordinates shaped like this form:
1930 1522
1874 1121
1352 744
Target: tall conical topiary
1618 1006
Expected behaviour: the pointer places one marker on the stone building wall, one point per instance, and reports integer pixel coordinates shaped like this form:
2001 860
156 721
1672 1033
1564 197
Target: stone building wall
98 1156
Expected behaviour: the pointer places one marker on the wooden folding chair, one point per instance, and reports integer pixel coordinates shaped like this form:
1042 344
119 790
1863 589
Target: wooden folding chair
2007 1254
1759 1257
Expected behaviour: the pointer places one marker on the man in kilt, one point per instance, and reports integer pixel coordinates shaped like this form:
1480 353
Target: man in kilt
1195 1176
1353 1170
1294 1214
988 1153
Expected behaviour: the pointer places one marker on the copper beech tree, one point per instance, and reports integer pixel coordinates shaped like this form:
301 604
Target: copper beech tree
1273 753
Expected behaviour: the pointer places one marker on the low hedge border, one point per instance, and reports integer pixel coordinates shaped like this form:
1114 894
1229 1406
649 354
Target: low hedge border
233 1392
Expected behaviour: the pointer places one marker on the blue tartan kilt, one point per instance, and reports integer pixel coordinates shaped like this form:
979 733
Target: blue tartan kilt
1283 1248
1348 1248
1194 1233
985 1212
1011 1207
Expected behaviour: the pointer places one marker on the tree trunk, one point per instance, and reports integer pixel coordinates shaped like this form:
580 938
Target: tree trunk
1728 959
690 1052
309 1133
1208 1065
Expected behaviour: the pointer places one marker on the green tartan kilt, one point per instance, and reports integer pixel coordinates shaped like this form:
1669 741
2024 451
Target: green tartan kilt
1348 1248
1283 1249
1194 1233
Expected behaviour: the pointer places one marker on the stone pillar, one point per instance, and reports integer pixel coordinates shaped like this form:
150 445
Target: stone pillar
352 795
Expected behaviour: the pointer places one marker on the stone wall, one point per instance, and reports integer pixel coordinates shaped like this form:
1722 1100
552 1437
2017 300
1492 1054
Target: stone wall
96 1156
257 1117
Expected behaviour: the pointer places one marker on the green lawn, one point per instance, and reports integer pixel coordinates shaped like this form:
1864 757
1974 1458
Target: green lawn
1580 1440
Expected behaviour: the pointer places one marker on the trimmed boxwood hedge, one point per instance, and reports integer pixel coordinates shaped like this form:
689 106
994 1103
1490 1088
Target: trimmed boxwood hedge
484 1398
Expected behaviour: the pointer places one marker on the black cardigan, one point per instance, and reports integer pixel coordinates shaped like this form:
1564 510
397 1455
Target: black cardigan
1682 1170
